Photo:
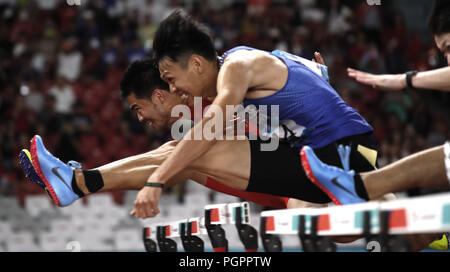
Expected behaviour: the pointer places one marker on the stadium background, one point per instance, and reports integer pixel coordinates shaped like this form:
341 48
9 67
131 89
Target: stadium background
60 72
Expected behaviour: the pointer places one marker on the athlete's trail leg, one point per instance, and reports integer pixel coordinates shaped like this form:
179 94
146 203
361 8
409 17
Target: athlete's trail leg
425 169
226 161
132 172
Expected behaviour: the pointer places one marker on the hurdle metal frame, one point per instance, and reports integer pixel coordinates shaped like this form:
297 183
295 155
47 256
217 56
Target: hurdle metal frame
190 230
382 222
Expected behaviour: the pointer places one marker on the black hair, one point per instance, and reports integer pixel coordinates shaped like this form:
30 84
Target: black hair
141 78
179 35
439 20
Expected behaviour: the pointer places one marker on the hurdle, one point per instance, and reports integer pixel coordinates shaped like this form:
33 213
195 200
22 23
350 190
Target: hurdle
379 221
190 230
381 224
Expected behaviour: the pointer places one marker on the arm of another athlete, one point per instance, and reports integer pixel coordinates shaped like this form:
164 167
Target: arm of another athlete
433 80
438 79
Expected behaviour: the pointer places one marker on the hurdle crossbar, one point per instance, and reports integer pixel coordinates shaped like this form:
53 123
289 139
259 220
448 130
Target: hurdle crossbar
429 214
221 214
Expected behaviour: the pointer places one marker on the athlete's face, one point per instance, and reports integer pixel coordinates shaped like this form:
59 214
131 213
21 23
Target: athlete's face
190 75
156 112
443 43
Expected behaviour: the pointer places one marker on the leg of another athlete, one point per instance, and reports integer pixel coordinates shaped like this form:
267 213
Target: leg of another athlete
132 172
245 165
226 161
425 169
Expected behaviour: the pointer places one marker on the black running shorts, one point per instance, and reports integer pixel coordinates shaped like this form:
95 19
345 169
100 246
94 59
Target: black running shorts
280 172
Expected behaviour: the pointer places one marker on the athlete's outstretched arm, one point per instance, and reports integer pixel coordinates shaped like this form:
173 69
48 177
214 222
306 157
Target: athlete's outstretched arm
438 79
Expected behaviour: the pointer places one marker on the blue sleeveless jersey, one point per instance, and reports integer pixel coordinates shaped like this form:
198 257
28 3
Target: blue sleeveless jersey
309 105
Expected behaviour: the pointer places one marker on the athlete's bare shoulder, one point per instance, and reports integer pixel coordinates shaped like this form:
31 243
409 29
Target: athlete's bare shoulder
269 72
255 58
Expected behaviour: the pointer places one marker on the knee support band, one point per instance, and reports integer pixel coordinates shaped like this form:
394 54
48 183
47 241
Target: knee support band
447 159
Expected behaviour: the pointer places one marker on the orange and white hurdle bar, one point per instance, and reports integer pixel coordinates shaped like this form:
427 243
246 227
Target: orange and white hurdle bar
190 230
381 221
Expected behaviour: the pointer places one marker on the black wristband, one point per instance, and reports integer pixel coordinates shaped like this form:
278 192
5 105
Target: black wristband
409 76
153 184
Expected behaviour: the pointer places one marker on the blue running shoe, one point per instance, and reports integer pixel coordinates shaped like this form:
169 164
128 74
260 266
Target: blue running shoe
28 169
27 166
56 175
338 184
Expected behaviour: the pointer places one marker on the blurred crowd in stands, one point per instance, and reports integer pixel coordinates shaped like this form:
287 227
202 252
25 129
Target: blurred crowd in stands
61 66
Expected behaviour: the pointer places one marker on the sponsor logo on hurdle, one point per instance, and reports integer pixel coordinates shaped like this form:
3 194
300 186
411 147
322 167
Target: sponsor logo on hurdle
417 217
